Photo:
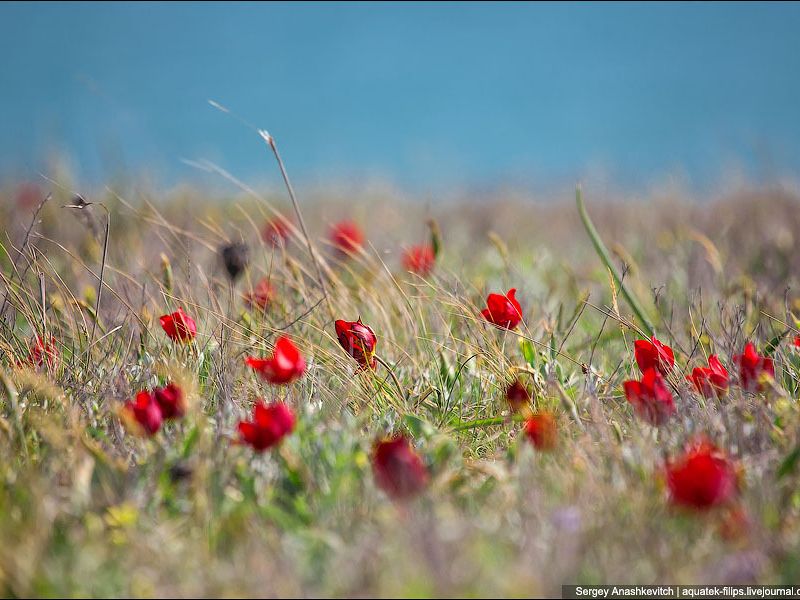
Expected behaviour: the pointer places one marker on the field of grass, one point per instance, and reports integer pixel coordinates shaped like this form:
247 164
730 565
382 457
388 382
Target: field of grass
91 506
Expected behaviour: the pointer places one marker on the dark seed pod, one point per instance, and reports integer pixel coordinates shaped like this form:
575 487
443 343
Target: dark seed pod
235 257
180 471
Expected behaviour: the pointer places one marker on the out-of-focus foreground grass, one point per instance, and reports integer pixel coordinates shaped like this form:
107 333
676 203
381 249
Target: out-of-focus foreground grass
87 508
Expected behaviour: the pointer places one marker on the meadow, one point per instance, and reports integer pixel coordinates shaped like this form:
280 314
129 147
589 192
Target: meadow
447 447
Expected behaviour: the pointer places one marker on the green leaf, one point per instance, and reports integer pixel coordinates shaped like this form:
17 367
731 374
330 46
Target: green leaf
436 237
479 423
190 441
789 463
528 352
602 252
418 427
772 345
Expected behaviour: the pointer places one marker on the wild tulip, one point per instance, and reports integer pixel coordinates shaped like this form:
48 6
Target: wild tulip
503 310
703 477
144 414
275 232
712 380
270 424
171 400
358 340
419 259
541 430
346 237
179 326
284 366
261 296
650 397
754 369
797 341
517 396
652 354
398 469
41 352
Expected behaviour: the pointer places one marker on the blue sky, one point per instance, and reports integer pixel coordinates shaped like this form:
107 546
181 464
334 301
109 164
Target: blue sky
425 95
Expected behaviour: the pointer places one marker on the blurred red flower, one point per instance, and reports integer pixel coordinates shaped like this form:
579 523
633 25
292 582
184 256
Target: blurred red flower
517 396
419 259
702 477
179 326
41 352
542 430
276 231
284 366
754 368
358 340
270 424
503 311
712 380
346 237
398 469
652 354
171 401
261 296
143 414
650 397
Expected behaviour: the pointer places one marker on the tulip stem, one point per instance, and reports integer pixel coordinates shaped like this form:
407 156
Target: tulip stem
602 252
394 377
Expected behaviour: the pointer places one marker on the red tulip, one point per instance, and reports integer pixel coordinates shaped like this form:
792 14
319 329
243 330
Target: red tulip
797 341
41 352
712 380
650 397
398 469
346 237
517 396
503 311
754 369
269 425
652 354
143 414
542 430
171 401
275 232
285 365
702 478
358 340
261 296
419 259
179 326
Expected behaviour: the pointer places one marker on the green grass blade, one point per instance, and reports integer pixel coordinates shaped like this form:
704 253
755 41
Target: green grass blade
604 255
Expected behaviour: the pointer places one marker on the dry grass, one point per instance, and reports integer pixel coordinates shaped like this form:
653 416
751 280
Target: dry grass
88 509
